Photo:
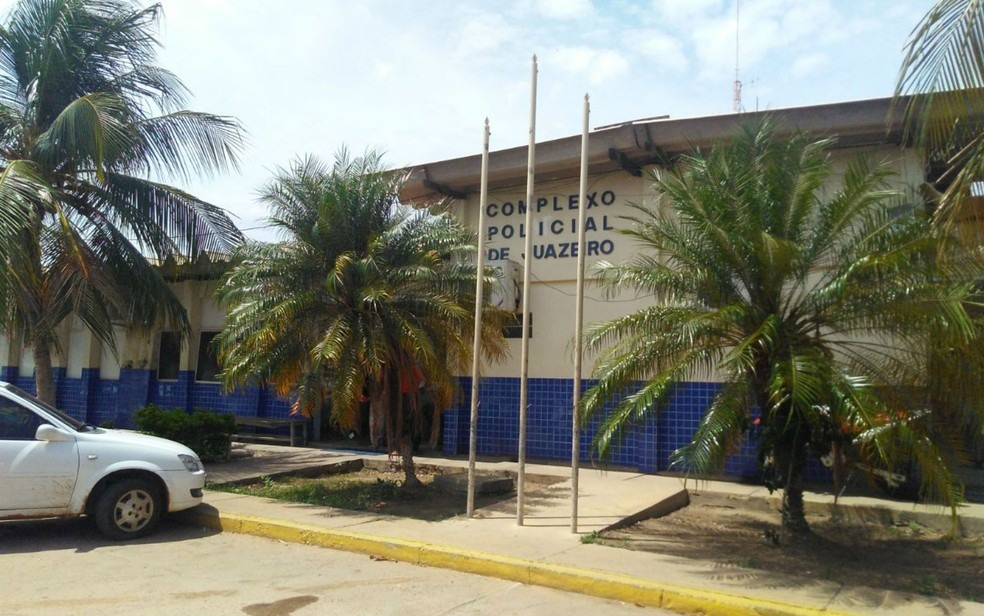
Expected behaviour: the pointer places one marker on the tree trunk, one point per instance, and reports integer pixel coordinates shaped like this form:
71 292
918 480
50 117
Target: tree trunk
435 435
392 393
44 379
409 470
377 418
838 466
791 463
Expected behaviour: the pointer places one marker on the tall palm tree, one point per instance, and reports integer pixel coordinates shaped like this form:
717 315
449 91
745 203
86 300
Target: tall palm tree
814 306
86 117
944 65
363 297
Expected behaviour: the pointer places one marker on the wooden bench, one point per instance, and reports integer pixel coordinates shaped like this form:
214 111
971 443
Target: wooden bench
271 424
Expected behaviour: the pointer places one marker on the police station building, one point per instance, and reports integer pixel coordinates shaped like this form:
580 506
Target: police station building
621 158
155 367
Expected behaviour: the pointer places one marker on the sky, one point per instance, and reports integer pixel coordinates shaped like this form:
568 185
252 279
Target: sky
417 78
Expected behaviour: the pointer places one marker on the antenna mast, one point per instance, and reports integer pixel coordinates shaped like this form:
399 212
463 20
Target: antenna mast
736 100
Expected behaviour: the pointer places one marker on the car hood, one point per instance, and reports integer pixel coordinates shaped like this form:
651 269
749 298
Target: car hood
134 439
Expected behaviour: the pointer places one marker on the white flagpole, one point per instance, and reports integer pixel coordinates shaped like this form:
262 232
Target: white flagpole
479 303
527 274
579 317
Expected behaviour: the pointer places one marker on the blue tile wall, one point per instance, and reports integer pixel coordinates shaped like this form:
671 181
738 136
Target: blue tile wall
134 393
646 446
103 409
548 424
103 401
174 394
76 396
272 406
679 419
244 402
26 383
206 396
71 398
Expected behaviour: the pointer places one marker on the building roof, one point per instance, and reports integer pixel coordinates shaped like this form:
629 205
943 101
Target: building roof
631 145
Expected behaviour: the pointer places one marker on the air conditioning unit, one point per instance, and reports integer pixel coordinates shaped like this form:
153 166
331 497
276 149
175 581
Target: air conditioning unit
508 293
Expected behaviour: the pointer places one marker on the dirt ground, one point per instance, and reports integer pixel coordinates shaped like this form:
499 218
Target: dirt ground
909 558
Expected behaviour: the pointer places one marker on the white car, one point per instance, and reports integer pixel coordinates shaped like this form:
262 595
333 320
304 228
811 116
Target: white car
54 466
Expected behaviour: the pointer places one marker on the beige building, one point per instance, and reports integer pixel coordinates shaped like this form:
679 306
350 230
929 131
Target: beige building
621 160
157 368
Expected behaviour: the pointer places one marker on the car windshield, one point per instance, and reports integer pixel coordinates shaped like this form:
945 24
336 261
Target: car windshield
78 426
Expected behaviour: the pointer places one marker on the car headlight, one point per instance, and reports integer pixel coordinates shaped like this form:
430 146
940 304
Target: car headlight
191 462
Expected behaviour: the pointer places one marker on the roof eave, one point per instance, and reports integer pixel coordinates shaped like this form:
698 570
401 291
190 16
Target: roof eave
633 144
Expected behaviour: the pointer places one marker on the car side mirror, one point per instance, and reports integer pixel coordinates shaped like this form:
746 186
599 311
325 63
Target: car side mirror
48 432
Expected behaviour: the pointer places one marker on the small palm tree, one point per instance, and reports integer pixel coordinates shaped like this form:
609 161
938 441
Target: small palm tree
816 311
363 297
85 118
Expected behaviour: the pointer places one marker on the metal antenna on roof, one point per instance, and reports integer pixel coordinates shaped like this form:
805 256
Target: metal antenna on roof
736 101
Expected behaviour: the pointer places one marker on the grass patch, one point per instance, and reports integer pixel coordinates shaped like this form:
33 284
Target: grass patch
340 492
366 490
592 537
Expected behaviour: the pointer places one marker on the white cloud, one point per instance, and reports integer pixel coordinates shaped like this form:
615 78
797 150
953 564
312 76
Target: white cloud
565 9
382 70
188 13
664 50
767 28
804 66
483 32
598 65
682 12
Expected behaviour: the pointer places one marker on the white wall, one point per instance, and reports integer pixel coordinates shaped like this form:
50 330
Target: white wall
78 351
109 367
553 283
553 277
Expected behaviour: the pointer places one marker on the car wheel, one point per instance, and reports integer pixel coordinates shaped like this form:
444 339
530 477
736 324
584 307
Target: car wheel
128 509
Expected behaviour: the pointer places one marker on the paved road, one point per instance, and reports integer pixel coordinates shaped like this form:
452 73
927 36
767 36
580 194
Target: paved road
65 568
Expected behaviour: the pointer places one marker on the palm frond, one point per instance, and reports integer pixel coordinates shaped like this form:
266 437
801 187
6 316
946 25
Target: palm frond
184 144
376 285
719 433
161 218
942 76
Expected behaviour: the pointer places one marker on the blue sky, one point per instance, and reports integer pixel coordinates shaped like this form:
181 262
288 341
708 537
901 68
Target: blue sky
417 78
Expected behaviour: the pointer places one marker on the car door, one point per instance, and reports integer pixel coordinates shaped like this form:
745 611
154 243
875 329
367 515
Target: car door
34 474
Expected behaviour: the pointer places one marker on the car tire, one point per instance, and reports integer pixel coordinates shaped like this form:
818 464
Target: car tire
128 509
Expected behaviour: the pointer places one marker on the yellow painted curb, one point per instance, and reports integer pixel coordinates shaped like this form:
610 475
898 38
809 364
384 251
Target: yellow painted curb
572 579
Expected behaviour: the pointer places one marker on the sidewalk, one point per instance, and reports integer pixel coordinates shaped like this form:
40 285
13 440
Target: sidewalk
545 552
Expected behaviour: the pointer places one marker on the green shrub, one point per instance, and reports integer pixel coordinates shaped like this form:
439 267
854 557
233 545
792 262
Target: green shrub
204 432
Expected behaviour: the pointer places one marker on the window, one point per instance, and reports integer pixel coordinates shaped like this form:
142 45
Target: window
16 422
169 356
208 365
514 327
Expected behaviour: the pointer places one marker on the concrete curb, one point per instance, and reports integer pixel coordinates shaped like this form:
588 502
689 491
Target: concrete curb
572 579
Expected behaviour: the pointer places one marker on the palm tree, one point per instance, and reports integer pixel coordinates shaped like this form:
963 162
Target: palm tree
944 70
944 65
816 313
363 297
85 118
